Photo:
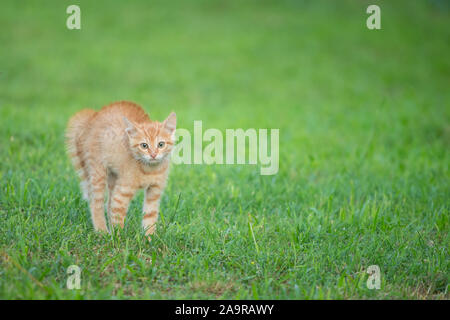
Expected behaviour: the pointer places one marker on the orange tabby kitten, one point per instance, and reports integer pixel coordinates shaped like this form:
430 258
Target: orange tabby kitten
121 148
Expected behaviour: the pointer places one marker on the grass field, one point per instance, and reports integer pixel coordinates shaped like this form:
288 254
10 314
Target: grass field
364 124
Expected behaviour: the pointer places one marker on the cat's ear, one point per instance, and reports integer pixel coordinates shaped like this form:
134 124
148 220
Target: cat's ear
171 122
130 127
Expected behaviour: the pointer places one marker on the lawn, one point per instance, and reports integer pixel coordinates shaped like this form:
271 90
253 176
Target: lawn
364 123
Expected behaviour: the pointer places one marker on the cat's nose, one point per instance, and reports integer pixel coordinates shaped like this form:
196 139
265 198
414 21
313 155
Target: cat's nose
153 155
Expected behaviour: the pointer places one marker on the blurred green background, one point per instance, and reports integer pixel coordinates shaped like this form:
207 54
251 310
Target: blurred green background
364 148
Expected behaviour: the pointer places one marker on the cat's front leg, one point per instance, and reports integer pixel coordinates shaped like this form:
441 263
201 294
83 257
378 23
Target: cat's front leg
151 209
120 196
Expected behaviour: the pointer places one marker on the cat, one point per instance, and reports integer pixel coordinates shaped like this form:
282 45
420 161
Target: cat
121 149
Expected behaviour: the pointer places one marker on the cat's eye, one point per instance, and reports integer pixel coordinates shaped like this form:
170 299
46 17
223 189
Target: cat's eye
144 145
161 144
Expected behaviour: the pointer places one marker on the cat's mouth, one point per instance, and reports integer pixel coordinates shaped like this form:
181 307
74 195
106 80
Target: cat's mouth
152 161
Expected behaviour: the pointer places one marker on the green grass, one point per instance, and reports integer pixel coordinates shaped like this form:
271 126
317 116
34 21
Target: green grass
364 149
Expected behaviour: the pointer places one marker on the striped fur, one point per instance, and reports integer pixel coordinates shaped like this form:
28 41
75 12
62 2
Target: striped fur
119 149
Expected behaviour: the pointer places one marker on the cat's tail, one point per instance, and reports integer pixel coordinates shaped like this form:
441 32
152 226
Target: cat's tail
75 128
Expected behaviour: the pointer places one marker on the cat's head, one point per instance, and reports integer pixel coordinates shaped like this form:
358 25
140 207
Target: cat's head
151 142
